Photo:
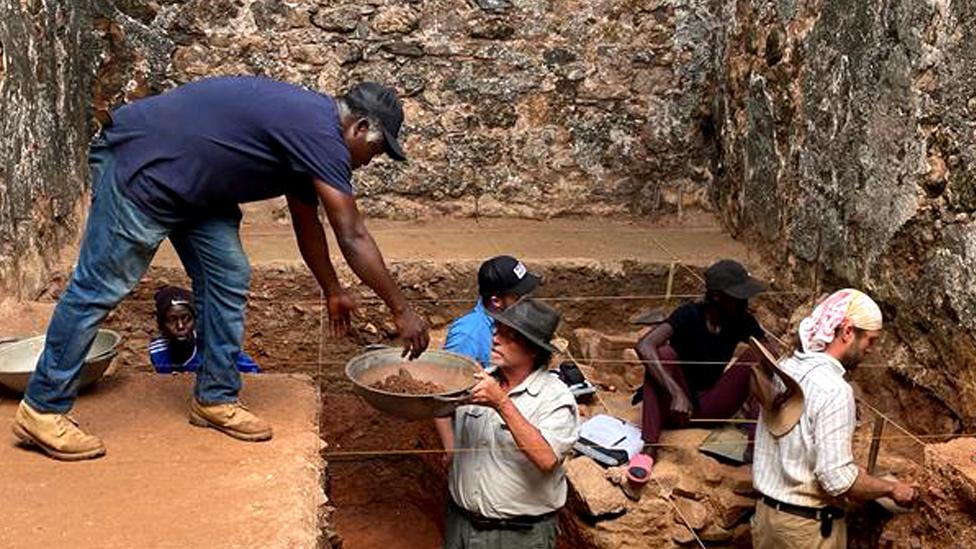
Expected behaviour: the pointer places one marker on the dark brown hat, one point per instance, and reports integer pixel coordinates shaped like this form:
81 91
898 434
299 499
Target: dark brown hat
535 320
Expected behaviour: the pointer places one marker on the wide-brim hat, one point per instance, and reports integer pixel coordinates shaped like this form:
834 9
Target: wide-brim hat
781 410
531 318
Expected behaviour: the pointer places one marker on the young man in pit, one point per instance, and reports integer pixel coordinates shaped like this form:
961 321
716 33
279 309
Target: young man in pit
177 347
685 357
502 280
507 480
176 166
803 473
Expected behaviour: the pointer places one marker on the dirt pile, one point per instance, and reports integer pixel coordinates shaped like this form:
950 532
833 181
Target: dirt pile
404 383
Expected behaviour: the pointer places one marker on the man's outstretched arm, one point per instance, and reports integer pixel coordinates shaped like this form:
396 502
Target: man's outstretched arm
362 255
315 252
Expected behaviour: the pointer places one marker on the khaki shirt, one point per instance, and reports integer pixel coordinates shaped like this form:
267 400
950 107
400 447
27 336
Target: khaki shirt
490 475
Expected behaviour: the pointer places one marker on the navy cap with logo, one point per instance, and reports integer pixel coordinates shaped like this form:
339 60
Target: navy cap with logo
731 278
381 102
505 275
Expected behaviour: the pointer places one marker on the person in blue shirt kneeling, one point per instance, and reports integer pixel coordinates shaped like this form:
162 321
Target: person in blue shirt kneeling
176 348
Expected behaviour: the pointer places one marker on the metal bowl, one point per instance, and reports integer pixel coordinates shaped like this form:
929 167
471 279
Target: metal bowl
18 360
452 371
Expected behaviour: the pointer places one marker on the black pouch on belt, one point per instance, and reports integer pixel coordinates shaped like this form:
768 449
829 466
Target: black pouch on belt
827 516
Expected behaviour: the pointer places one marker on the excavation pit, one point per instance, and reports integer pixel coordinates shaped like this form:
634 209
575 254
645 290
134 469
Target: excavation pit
386 477
386 480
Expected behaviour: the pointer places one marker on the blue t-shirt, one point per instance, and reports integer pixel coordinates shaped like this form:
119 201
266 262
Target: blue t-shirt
205 147
471 335
163 363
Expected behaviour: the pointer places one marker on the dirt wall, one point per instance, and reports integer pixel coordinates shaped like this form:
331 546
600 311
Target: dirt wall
847 148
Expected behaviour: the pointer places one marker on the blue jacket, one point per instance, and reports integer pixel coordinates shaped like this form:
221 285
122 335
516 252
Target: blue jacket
471 335
161 361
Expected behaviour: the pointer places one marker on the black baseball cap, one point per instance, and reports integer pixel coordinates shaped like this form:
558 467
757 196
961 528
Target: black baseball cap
731 278
505 275
381 102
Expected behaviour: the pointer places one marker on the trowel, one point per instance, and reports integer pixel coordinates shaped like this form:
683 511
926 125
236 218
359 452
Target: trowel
886 503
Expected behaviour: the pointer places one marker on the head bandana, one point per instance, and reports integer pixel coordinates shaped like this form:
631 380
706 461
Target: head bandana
843 306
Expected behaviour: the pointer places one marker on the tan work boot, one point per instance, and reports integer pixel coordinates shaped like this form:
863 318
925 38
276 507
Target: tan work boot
56 434
232 419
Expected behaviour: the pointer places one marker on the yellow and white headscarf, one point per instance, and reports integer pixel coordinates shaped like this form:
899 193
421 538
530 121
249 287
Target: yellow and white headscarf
842 307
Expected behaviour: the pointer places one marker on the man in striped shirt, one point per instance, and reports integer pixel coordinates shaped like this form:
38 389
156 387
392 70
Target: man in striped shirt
802 474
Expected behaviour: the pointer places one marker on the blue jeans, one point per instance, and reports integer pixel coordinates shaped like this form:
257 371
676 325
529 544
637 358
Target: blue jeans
119 243
214 259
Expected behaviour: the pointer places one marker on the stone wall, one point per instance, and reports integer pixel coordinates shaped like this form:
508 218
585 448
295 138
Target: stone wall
847 153
529 108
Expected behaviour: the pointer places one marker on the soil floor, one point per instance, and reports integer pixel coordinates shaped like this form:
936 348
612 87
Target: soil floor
165 483
529 240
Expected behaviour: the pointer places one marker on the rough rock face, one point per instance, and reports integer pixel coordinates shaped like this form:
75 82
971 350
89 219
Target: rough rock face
60 64
847 143
43 132
534 108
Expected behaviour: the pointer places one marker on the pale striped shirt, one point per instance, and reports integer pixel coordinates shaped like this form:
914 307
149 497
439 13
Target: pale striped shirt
813 463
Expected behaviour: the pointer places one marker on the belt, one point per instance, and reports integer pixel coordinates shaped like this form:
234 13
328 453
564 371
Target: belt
481 522
825 515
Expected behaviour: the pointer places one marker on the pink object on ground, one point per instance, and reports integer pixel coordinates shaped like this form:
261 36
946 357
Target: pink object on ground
640 463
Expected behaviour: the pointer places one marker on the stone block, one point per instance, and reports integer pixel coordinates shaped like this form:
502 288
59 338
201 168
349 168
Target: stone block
404 49
341 19
683 536
691 513
396 20
715 534
599 497
493 5
491 28
730 508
